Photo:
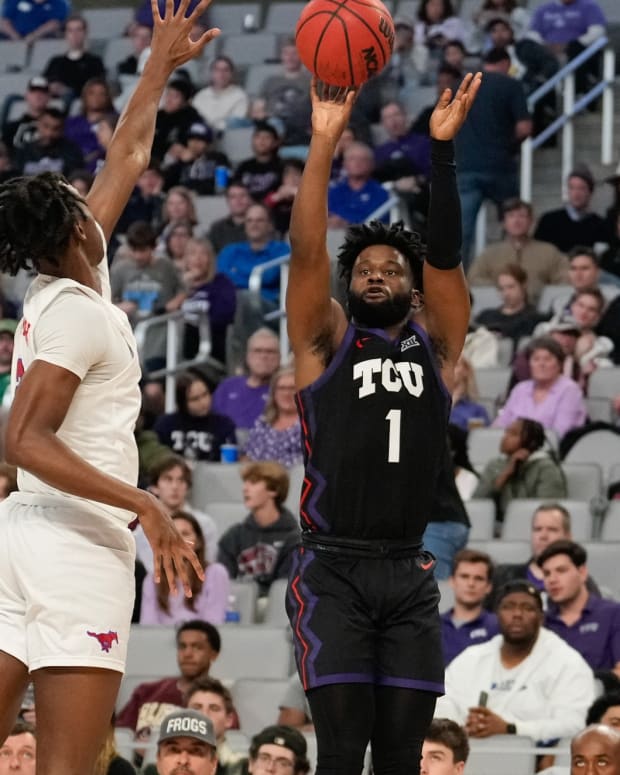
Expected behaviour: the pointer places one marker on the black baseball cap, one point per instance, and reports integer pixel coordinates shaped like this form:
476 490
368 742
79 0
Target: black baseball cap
519 585
279 734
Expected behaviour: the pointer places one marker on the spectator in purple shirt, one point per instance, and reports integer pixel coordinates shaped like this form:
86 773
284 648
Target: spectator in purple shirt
568 27
209 292
243 398
589 624
405 159
468 623
551 398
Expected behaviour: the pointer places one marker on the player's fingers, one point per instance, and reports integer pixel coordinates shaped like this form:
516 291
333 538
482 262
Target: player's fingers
206 37
183 6
169 10
464 86
195 563
155 10
314 88
181 570
157 561
444 98
169 572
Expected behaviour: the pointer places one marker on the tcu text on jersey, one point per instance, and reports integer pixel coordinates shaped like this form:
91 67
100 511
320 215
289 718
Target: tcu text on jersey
393 377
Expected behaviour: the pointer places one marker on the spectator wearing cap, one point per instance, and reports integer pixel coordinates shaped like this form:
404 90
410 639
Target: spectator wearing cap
193 164
23 129
542 261
574 224
548 396
49 150
175 117
262 173
68 73
7 334
30 21
278 748
186 743
590 624
287 96
487 143
525 681
222 101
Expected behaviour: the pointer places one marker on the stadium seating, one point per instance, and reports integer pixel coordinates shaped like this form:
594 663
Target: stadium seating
484 297
236 143
245 594
226 514
257 75
481 513
584 481
610 530
257 651
603 385
503 551
257 702
105 23
282 17
210 209
247 50
42 51
602 446
13 55
493 382
508 754
275 613
446 600
483 445
603 564
229 17
216 483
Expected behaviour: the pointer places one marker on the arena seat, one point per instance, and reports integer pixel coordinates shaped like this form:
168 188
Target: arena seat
603 564
484 297
493 382
236 143
116 49
229 17
250 49
216 483
210 209
502 551
257 75
481 513
13 55
106 23
42 51
446 600
256 651
257 702
245 593
601 446
282 17
508 754
275 613
296 475
551 293
151 652
603 385
483 445
584 481
610 530
518 518
226 515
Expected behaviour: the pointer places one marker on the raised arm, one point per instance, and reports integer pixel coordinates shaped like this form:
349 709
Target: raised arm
130 148
446 294
312 314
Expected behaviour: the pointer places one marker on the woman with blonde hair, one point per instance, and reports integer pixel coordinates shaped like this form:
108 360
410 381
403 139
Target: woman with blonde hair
210 292
276 435
209 597
178 207
466 411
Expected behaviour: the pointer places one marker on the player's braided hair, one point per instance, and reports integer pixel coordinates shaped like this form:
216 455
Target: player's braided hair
408 243
37 215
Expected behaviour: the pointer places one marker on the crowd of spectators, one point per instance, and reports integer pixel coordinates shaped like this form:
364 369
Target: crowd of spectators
535 648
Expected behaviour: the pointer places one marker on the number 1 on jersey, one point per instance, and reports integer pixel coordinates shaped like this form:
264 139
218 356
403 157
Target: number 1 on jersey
393 418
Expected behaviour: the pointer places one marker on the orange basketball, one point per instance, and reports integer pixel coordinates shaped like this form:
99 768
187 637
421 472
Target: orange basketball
345 42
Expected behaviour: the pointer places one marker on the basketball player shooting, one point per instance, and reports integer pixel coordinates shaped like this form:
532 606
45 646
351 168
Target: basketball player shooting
66 555
374 398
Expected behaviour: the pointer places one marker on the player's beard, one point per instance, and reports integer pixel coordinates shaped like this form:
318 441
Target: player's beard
379 314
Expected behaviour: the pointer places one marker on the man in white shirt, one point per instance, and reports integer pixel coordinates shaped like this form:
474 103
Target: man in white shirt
524 681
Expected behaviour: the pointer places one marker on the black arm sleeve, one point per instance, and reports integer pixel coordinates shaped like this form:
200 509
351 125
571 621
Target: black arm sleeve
444 212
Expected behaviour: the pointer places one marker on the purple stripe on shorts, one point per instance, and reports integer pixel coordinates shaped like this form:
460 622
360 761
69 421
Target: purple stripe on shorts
411 683
303 612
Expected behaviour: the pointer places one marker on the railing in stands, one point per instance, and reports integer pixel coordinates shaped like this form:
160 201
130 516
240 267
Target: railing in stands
571 108
565 80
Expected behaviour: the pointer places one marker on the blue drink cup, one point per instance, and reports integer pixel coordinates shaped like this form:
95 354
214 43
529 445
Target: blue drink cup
221 179
229 453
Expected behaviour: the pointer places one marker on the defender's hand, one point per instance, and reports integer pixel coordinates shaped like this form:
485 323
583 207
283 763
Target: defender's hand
331 109
449 116
171 45
170 550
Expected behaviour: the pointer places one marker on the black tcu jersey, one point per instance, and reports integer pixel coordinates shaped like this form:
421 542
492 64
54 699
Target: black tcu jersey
374 432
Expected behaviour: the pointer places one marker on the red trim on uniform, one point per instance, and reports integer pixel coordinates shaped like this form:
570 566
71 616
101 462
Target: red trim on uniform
304 643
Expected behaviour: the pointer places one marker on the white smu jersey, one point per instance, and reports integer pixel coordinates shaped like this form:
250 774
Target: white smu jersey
70 325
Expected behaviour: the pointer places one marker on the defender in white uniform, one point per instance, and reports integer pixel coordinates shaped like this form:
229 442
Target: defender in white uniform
66 554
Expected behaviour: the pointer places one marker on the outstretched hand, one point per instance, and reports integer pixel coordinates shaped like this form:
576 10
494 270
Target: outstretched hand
331 108
450 114
172 45
172 554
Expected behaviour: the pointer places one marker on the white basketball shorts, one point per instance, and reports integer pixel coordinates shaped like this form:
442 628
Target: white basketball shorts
66 586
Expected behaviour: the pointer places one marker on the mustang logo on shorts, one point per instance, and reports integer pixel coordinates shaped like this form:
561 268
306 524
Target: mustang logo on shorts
106 639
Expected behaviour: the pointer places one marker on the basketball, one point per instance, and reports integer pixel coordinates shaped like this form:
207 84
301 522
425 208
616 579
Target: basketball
344 42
